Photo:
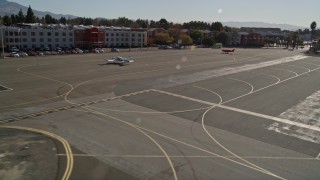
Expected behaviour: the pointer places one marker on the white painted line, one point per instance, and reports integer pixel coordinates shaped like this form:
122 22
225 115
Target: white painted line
7 88
306 126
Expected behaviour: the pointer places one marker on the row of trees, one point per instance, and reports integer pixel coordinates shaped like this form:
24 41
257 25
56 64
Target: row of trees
195 37
20 18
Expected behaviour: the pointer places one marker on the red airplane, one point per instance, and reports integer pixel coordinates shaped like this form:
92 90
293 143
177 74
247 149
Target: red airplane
227 51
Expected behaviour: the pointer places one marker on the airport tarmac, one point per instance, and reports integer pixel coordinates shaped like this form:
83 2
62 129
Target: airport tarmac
173 114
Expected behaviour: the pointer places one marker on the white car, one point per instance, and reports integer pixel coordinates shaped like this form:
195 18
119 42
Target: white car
14 54
23 54
95 51
100 50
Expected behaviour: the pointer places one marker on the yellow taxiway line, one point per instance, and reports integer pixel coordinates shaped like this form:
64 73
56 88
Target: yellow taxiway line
69 155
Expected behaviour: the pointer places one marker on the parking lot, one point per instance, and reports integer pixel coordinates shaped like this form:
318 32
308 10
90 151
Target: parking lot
174 114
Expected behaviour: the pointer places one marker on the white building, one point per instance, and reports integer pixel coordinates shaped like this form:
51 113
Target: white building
125 37
37 36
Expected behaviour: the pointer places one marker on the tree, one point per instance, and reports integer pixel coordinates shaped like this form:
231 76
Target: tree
50 20
216 26
30 18
63 20
197 25
163 23
163 38
7 20
222 37
13 19
20 17
185 39
208 42
196 35
313 26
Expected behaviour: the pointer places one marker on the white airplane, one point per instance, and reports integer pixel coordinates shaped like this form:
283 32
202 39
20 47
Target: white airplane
120 60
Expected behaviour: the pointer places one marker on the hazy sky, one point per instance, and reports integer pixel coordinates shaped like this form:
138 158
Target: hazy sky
295 12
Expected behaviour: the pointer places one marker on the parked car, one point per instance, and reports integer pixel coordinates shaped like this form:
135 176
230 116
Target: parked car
39 53
14 54
115 50
47 53
23 54
100 50
95 51
79 51
32 53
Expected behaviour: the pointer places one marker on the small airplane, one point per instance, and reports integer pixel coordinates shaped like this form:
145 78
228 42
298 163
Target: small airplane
227 51
121 61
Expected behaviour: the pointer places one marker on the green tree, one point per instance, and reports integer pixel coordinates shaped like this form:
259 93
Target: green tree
196 35
7 20
313 26
63 20
163 23
216 26
30 18
163 38
208 42
13 19
20 17
222 37
185 39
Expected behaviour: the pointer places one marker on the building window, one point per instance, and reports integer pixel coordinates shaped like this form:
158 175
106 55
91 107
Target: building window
6 33
107 34
111 34
111 39
56 34
33 40
11 33
16 40
57 39
71 39
49 39
64 40
24 33
40 33
117 39
33 33
41 40
49 33
16 33
25 40
64 34
71 34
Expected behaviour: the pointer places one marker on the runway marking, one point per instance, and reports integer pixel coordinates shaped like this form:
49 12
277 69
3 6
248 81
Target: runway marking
67 107
195 156
245 83
215 140
269 76
218 143
5 88
296 74
309 70
69 165
242 111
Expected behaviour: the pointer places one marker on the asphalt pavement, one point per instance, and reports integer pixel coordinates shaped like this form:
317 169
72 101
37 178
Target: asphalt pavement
172 114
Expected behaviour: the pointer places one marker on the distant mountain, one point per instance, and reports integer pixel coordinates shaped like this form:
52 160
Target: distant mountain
262 25
8 8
